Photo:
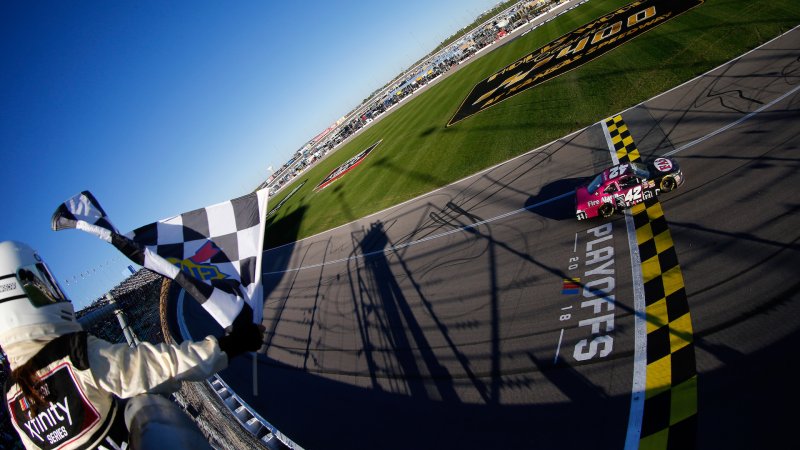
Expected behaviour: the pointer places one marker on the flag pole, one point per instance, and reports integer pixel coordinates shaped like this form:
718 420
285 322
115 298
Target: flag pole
261 194
255 374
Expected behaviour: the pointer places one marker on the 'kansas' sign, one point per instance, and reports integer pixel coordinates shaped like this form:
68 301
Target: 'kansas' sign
570 51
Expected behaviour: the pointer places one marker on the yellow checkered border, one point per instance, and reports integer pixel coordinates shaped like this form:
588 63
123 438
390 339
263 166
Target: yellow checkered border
670 406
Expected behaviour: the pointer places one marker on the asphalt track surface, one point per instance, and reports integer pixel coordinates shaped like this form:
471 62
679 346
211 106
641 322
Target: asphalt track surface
441 323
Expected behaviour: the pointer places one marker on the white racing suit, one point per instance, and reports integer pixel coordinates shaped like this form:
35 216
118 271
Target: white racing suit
85 380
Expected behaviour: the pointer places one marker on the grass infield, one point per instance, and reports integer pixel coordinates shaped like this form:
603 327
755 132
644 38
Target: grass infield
418 154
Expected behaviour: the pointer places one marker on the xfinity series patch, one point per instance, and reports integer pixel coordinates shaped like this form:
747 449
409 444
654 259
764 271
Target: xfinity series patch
571 51
62 419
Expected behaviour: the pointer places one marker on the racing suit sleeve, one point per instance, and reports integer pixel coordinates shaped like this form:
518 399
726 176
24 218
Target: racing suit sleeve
153 369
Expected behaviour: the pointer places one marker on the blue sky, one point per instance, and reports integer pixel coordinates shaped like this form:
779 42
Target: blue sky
159 108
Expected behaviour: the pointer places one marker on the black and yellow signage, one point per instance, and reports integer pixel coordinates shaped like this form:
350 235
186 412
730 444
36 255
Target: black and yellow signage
570 51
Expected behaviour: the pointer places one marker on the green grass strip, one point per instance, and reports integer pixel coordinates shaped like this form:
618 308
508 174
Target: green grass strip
418 154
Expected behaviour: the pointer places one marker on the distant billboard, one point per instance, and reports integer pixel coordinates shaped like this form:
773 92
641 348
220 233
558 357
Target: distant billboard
349 165
320 136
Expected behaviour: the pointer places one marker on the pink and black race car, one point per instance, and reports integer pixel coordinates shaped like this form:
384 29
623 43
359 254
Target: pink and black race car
624 185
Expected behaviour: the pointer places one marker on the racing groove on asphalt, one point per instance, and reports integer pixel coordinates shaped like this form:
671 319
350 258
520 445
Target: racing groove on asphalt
446 322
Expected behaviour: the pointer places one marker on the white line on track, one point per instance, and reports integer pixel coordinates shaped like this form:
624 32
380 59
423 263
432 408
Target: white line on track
560 338
488 169
640 326
732 124
639 381
639 376
425 239
181 323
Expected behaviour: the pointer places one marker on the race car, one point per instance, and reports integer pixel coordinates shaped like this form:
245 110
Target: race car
624 185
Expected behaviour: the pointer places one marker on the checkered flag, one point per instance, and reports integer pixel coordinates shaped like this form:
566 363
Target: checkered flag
214 253
82 211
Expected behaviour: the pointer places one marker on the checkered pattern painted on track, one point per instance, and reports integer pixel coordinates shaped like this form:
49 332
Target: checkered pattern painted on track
670 406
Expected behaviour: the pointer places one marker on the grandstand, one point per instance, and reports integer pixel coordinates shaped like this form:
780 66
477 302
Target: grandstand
138 297
454 51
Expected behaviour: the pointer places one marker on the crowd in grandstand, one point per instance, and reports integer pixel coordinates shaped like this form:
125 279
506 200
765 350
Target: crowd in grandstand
138 297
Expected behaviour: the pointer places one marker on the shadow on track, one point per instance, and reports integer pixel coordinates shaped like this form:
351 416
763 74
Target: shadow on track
551 203
418 370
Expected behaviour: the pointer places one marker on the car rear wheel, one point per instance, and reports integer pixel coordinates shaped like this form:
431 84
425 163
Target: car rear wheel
668 184
606 210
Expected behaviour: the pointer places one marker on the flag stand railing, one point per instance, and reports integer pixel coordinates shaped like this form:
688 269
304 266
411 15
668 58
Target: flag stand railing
247 417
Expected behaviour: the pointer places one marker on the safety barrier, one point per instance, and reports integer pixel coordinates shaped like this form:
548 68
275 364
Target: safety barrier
247 417
250 420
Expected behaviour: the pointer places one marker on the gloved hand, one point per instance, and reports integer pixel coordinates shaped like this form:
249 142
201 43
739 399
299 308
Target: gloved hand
243 335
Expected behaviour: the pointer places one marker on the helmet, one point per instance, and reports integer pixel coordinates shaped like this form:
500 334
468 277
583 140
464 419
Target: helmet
29 294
